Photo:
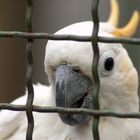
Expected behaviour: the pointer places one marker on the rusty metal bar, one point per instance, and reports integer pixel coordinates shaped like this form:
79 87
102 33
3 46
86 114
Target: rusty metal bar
30 96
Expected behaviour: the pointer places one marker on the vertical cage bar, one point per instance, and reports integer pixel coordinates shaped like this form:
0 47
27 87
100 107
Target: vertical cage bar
95 18
30 97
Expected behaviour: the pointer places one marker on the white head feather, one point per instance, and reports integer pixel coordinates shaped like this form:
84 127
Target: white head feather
118 89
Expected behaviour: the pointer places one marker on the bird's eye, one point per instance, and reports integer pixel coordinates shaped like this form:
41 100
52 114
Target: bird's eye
107 63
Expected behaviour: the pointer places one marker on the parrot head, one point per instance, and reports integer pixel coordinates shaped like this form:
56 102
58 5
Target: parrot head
68 65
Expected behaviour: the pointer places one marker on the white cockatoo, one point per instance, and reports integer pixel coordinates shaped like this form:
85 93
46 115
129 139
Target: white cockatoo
68 66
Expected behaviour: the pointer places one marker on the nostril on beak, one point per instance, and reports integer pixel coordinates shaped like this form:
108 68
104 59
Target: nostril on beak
76 70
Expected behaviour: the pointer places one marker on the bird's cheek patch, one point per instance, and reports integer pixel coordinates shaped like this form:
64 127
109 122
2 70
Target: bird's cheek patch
130 81
125 65
129 77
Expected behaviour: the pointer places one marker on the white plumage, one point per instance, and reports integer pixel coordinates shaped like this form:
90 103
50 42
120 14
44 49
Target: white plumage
118 91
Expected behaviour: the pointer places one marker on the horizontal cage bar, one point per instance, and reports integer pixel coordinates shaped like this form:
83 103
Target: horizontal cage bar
53 109
38 35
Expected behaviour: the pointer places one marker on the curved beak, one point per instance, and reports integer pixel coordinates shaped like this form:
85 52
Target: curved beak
72 91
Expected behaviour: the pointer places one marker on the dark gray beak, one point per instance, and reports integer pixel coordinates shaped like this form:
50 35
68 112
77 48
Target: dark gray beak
73 90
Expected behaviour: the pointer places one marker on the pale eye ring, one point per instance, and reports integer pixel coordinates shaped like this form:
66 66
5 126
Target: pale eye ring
107 63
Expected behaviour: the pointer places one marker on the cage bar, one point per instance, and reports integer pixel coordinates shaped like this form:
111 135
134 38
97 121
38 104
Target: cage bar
48 109
38 35
95 61
30 95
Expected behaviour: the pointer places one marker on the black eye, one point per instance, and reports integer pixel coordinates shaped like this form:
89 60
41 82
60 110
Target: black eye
109 64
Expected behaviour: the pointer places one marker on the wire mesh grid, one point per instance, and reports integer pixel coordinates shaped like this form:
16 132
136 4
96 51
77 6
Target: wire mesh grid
30 36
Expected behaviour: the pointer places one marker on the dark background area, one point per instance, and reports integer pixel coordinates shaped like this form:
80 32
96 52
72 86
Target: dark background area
49 16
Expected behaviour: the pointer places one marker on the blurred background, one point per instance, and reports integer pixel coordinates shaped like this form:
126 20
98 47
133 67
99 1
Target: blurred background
49 16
